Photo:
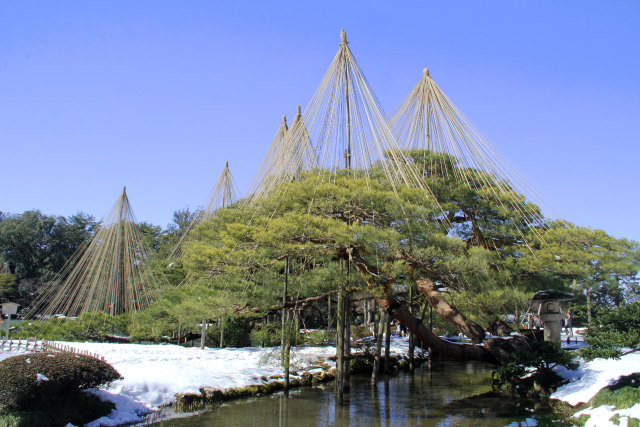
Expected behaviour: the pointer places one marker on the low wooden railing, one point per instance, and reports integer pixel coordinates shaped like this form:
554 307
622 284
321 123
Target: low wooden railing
54 347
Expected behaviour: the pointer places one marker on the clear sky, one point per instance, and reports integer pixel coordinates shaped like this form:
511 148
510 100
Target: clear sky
156 95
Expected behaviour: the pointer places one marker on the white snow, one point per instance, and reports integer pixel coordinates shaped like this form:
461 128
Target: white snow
601 416
154 374
40 377
593 376
127 410
589 379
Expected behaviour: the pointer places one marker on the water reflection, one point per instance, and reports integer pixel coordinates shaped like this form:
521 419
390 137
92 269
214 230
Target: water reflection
440 396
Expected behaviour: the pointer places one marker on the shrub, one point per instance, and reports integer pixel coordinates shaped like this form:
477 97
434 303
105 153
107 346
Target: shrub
237 333
266 335
31 381
530 370
614 330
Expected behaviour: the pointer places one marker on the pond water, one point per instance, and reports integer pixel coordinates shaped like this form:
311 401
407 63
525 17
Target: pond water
447 394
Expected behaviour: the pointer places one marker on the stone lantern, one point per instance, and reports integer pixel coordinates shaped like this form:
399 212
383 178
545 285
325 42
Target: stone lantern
548 306
9 309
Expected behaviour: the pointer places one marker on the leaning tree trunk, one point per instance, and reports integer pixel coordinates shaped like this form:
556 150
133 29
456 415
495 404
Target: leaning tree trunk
448 312
495 350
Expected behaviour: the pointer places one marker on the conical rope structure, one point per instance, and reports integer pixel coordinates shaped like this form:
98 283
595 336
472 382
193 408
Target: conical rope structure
343 128
426 119
224 194
290 153
109 273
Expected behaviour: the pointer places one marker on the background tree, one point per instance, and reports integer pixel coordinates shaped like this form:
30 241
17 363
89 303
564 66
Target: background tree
602 270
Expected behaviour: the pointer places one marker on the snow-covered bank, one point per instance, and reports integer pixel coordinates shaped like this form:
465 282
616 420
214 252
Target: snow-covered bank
590 378
154 374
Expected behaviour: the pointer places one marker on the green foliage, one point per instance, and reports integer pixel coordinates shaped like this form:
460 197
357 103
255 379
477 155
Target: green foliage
266 335
530 368
614 331
237 333
29 381
605 268
8 286
37 246
93 326
492 302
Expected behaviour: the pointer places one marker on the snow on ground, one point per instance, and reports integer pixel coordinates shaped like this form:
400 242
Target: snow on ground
154 374
601 416
591 377
6 354
127 411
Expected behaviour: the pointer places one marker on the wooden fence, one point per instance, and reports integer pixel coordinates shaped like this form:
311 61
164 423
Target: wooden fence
26 344
54 347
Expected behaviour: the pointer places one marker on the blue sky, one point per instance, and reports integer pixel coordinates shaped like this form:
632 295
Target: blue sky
156 95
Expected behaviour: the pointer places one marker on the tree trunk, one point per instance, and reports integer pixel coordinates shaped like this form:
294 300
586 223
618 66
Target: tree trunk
449 313
340 347
382 315
346 385
287 362
588 293
283 338
440 346
222 332
203 333
495 350
328 313
387 343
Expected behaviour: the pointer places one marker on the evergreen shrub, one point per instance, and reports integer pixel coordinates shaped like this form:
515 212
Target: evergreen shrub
613 332
32 381
530 370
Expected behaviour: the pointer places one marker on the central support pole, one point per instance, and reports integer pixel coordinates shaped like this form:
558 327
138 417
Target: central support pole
120 276
345 65
426 113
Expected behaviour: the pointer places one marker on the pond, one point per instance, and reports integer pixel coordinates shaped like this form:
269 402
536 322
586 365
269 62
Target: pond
447 394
